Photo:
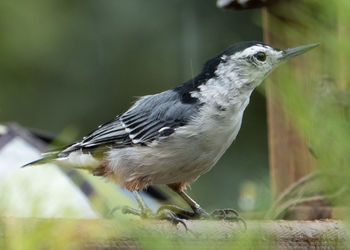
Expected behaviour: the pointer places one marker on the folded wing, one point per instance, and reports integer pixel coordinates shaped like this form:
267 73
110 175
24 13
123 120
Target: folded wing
151 118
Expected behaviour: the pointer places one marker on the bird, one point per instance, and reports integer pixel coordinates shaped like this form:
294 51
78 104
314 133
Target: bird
175 136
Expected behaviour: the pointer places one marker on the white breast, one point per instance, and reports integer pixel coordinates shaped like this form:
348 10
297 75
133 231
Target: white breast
185 155
218 128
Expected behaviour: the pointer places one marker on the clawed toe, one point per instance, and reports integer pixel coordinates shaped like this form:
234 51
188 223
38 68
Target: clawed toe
145 213
166 214
162 214
228 214
124 210
180 212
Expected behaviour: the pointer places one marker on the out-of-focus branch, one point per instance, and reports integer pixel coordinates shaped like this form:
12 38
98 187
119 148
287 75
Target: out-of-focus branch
243 4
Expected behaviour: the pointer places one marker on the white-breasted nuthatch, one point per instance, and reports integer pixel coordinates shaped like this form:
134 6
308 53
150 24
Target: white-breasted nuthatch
175 136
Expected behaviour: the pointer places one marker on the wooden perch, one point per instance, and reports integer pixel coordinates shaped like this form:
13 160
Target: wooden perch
106 234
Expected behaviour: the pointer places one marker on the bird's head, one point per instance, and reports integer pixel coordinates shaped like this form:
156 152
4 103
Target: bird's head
246 64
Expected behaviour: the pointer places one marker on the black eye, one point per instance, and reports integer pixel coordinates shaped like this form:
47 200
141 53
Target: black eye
261 56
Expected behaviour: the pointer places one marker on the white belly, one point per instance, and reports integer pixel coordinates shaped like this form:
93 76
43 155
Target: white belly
182 157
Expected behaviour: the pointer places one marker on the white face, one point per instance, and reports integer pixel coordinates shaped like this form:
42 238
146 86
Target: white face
249 67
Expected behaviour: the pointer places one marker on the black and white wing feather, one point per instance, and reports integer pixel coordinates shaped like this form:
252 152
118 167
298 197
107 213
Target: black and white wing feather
152 117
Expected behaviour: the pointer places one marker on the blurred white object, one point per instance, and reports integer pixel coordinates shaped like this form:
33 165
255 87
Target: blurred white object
49 191
248 195
44 191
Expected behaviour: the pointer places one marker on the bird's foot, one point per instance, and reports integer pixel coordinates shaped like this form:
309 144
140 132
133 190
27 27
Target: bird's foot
219 214
177 214
180 212
227 214
161 214
200 213
169 215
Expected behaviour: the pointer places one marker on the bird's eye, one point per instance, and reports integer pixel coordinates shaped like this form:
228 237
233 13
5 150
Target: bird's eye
260 56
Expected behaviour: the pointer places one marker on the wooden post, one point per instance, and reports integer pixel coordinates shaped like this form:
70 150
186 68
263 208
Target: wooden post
290 158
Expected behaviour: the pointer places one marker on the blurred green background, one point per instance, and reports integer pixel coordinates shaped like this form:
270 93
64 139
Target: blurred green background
71 65
76 64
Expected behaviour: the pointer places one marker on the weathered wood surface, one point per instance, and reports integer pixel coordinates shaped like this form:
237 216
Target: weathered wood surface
328 234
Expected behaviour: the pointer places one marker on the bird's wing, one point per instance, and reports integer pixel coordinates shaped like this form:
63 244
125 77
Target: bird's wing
152 117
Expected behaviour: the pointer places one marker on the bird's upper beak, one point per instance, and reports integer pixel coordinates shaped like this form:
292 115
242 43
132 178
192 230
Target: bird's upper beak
289 53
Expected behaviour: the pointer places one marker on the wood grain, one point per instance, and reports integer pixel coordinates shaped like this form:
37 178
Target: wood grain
106 234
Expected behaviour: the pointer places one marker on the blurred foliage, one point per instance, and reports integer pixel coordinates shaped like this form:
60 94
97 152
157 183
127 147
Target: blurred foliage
315 90
78 62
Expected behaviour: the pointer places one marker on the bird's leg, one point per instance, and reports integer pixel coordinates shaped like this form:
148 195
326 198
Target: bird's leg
199 212
144 209
145 212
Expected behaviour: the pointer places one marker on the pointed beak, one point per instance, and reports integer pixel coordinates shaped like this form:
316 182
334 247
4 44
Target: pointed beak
289 53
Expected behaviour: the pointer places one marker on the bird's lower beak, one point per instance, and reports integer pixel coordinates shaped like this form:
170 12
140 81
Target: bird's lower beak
289 53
